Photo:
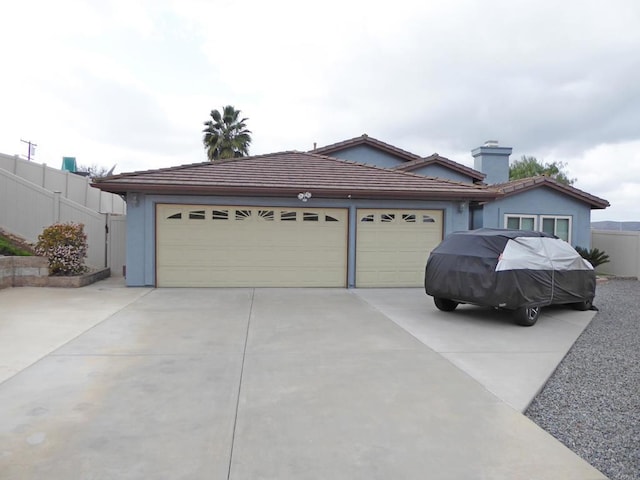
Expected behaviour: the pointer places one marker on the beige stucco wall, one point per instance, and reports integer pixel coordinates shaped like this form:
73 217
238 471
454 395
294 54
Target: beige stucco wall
623 249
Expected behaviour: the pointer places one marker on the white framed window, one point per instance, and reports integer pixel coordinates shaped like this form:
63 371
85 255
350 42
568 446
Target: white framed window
520 222
560 226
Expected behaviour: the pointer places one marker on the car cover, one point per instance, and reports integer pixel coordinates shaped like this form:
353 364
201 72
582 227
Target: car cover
508 269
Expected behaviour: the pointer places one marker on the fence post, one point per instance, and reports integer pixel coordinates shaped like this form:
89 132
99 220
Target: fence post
86 194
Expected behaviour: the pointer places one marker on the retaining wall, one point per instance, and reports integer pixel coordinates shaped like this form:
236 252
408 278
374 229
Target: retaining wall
34 272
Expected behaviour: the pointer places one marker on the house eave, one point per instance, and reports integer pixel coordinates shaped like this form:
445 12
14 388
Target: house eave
318 192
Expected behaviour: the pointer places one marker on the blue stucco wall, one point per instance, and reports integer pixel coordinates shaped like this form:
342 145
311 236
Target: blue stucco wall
137 246
441 171
492 161
141 224
476 217
369 155
542 201
372 156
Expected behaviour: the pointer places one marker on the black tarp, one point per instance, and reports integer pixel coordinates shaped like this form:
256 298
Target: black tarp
508 269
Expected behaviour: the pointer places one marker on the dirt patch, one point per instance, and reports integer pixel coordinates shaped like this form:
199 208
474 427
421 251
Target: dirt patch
18 241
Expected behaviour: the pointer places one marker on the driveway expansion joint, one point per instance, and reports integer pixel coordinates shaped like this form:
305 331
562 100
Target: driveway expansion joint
244 356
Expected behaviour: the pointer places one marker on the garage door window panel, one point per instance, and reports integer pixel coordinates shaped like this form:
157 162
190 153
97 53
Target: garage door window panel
266 215
196 215
220 215
243 215
288 216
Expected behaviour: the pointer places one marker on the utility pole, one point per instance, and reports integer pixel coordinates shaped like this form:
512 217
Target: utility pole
32 148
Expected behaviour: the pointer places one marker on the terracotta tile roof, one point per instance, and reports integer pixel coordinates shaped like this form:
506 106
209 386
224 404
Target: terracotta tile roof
289 173
365 139
436 159
521 185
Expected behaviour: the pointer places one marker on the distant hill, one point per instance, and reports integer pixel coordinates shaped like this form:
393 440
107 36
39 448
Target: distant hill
619 226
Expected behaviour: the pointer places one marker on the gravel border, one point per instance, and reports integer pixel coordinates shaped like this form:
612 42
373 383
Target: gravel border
592 401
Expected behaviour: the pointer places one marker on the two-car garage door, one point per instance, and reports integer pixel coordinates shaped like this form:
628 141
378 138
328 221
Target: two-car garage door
232 246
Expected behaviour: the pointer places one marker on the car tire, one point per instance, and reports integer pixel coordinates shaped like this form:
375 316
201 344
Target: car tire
526 316
583 306
445 304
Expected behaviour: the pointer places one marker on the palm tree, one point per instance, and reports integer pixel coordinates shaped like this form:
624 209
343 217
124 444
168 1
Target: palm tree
225 136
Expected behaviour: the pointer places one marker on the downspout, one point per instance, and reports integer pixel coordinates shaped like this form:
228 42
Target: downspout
351 247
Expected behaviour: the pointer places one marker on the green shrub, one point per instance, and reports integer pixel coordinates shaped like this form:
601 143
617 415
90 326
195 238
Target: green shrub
9 249
65 245
594 256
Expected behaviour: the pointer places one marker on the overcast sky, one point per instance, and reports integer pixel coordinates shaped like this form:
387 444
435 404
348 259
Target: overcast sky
131 82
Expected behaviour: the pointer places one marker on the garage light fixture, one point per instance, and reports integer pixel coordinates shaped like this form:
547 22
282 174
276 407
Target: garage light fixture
304 196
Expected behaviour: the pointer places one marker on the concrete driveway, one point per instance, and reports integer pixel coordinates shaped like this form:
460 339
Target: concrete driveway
256 384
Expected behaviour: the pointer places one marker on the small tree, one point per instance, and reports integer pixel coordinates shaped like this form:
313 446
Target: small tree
95 171
594 256
65 245
530 167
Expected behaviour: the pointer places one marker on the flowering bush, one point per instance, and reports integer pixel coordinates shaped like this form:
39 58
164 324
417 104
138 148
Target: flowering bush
65 245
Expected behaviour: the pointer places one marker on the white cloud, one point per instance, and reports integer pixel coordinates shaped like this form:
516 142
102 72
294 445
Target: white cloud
131 82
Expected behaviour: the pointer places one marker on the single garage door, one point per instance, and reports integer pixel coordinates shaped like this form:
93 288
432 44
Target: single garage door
393 246
236 246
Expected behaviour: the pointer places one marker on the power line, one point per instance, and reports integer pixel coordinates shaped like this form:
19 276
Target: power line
32 148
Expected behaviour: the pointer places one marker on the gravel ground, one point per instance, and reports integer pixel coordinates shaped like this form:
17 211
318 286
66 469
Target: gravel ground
592 401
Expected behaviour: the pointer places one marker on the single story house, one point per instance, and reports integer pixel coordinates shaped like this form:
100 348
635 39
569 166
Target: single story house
360 213
537 203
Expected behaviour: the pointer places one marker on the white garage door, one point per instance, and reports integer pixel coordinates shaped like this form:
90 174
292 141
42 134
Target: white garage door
233 246
393 246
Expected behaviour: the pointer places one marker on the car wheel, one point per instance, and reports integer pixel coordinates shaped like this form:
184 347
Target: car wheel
583 306
445 304
526 316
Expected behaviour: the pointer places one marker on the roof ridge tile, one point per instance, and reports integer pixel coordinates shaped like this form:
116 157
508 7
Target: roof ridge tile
514 186
366 139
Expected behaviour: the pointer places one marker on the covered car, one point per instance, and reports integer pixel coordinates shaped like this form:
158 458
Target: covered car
512 269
